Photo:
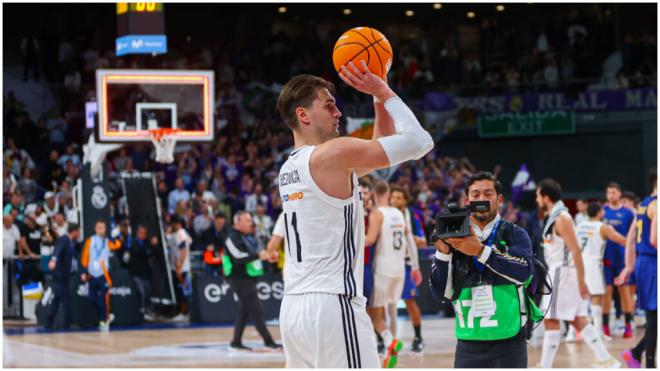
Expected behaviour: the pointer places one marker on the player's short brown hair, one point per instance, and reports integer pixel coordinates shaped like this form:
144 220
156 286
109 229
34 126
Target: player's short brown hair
366 183
629 195
402 191
594 208
300 91
381 187
551 188
613 185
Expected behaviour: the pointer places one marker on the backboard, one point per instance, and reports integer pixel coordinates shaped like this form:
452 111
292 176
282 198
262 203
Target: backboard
132 102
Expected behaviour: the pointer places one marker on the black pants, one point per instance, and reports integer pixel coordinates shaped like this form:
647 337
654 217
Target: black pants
647 344
249 306
99 295
143 286
62 296
492 354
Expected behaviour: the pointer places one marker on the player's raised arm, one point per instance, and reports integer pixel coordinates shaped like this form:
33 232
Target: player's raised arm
410 141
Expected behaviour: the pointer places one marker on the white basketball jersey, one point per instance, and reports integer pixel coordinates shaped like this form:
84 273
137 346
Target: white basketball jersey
554 248
591 242
390 252
324 234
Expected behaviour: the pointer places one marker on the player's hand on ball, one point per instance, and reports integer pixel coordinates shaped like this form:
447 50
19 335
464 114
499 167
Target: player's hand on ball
416 276
442 247
365 82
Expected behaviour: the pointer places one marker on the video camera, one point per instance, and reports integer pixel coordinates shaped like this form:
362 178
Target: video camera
455 222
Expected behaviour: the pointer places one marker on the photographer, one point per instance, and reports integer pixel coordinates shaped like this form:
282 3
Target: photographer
484 275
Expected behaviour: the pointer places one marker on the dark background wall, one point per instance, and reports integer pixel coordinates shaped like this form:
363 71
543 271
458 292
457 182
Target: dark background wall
583 163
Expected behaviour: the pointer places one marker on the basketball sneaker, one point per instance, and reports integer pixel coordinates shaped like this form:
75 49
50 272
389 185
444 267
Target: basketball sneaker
628 331
609 363
239 347
606 331
273 345
631 361
104 326
418 345
392 357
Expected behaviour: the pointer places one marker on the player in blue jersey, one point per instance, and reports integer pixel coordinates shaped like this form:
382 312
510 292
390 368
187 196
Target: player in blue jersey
621 219
642 259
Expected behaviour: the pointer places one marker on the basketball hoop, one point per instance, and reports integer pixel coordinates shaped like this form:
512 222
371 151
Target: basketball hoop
164 140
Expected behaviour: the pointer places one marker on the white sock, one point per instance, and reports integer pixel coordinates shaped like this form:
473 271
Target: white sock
595 342
597 315
387 337
551 340
391 314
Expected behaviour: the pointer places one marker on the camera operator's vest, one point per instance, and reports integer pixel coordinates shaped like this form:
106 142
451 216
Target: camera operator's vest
473 281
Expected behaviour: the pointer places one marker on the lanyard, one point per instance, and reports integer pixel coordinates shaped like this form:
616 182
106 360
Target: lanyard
491 238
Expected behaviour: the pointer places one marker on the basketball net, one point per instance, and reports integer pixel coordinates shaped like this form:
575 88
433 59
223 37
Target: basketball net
164 140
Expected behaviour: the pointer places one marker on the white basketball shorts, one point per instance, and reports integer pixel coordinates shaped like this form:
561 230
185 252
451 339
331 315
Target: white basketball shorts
386 290
565 303
327 331
594 276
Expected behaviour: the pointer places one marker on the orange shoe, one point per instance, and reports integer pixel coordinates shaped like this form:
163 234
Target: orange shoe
392 357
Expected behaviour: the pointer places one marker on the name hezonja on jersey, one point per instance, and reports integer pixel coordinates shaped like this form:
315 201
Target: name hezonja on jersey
289 178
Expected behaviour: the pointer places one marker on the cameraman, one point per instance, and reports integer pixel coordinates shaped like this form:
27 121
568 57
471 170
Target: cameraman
484 275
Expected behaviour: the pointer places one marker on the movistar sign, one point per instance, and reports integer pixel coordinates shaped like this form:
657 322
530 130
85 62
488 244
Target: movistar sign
141 44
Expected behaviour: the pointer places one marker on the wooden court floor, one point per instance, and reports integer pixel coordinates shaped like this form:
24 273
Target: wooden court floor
208 347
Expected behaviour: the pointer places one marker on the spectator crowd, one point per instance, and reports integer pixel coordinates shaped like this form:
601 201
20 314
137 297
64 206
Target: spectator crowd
209 183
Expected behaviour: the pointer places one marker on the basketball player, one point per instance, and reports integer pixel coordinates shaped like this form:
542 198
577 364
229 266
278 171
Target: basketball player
387 228
323 321
399 199
628 199
95 262
642 259
566 270
592 234
581 215
367 204
621 219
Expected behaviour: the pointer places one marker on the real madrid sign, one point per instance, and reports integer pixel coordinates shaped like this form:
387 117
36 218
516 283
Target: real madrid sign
95 200
99 199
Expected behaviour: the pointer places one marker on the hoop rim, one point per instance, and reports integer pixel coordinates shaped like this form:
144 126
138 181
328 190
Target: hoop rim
158 134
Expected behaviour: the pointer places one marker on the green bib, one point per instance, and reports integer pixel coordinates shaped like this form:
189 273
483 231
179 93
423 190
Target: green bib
253 268
504 324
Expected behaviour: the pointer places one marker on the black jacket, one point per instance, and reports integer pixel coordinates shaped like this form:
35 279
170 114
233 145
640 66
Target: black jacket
138 263
214 237
241 249
510 263
63 253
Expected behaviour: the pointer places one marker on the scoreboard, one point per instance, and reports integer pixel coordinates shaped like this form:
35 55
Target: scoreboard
140 28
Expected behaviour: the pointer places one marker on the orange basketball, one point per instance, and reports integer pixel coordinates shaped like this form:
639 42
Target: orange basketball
363 43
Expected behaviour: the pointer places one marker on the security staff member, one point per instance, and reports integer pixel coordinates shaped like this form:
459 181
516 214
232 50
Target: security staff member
242 265
484 275
61 265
